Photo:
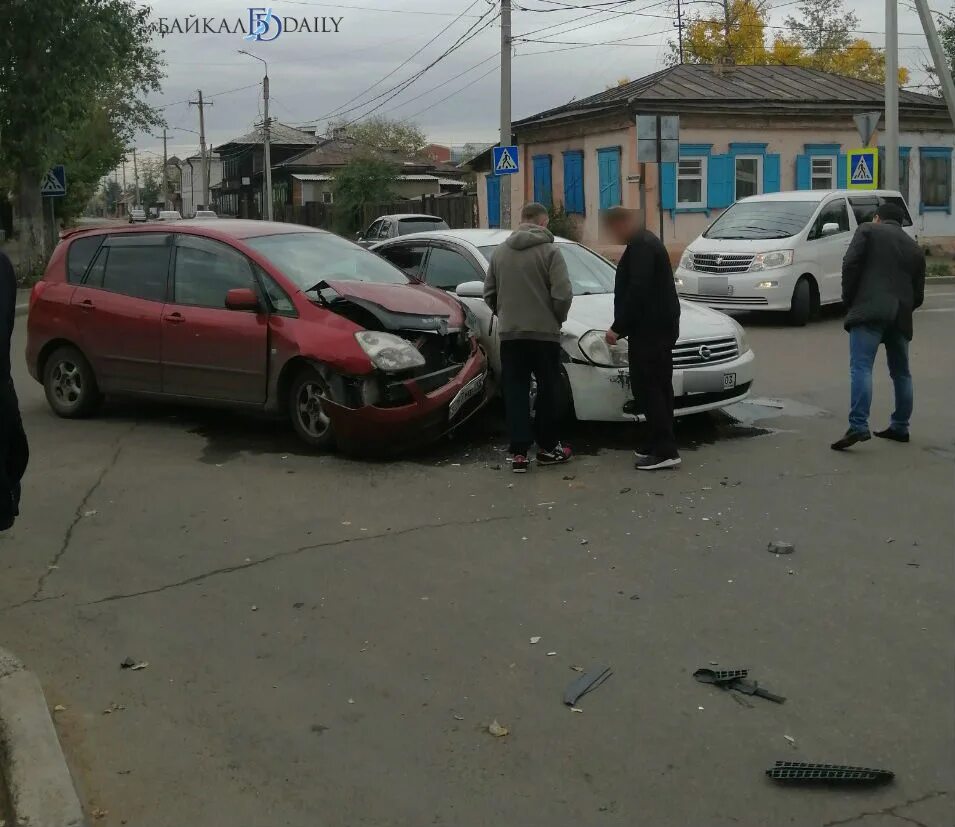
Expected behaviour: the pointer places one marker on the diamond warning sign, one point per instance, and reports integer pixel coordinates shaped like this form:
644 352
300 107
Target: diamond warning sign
863 169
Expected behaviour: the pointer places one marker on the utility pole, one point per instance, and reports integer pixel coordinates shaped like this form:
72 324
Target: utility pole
124 179
938 56
202 147
679 28
891 94
165 176
726 30
266 136
504 181
136 180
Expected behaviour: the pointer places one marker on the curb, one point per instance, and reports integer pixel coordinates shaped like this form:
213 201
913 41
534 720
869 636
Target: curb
22 309
929 281
37 779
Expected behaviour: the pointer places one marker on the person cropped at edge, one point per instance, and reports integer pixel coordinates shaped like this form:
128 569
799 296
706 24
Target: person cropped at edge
647 314
529 289
883 282
14 451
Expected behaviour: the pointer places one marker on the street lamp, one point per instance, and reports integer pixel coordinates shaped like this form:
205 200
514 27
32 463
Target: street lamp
267 136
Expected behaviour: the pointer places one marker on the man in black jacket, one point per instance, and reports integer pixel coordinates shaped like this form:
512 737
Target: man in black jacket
647 314
14 452
883 281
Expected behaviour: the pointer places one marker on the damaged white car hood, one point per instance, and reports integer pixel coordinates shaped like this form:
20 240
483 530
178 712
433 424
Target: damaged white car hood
596 313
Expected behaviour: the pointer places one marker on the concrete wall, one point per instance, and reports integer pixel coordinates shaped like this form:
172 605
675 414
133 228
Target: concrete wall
192 183
680 228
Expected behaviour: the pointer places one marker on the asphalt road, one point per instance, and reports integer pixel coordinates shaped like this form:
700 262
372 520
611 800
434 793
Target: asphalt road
327 640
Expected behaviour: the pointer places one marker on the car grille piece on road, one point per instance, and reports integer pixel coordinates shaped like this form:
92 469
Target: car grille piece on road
705 352
741 301
722 263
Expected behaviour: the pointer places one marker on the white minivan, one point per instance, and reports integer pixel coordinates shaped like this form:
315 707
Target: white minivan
781 251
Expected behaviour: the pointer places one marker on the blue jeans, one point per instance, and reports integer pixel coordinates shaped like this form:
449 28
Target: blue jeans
864 341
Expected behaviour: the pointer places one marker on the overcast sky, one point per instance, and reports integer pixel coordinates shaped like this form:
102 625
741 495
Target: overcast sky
313 74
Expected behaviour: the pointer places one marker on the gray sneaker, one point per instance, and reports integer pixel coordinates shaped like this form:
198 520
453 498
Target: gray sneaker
657 463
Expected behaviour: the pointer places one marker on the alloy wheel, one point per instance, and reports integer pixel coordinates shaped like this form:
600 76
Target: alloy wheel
67 382
311 415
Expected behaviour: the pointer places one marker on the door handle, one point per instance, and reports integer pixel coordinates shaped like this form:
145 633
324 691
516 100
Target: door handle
87 304
174 318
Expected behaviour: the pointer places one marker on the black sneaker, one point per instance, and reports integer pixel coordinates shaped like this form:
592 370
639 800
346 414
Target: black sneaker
559 455
652 463
519 464
894 434
849 439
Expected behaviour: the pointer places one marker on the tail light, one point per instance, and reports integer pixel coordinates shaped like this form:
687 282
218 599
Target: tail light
36 292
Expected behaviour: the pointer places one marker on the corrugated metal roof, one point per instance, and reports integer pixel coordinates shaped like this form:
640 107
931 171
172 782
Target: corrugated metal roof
281 134
310 176
742 88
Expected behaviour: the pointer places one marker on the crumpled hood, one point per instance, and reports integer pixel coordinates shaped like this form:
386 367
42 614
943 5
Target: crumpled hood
596 313
403 299
529 235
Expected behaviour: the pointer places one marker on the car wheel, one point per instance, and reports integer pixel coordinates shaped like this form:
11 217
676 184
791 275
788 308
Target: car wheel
70 384
801 308
305 406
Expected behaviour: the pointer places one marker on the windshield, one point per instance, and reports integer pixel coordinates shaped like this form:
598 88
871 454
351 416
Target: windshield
406 226
589 273
310 258
762 219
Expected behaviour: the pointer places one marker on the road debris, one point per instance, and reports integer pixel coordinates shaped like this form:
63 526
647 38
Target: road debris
133 665
91 513
351 700
577 668
551 654
457 717
779 547
586 683
59 708
535 639
114 707
570 476
634 596
497 730
576 709
254 608
298 605
828 773
790 739
625 490
99 814
736 679
584 542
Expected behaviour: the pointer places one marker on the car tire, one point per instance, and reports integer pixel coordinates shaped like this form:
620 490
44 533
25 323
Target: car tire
801 308
70 384
311 423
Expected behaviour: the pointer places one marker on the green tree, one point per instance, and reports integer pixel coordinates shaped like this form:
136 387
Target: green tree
112 193
365 180
386 135
64 63
150 181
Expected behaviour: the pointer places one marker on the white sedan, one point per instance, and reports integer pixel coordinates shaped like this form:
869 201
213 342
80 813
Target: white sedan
712 361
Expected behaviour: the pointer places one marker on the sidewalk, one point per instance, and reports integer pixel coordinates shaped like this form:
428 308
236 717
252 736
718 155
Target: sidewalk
23 301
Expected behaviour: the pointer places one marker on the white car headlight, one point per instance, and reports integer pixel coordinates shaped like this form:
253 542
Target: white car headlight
769 261
593 345
388 352
686 260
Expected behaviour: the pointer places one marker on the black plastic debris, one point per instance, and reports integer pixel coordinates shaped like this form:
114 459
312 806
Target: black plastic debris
736 679
798 771
586 683
779 547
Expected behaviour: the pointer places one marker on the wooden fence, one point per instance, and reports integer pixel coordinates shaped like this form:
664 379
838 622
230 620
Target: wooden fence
459 211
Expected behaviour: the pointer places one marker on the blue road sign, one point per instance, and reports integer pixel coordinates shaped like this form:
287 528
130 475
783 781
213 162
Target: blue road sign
862 168
53 184
505 160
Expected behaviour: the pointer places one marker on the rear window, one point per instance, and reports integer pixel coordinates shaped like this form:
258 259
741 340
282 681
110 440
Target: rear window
420 225
79 255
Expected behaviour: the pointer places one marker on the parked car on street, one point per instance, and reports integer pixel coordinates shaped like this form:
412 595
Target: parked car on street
169 215
713 363
781 251
251 314
205 214
392 226
137 215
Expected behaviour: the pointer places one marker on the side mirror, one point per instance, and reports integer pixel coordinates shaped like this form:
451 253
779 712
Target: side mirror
470 290
242 298
830 228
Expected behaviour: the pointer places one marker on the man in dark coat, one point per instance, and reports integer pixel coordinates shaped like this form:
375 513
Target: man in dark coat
883 281
647 314
14 451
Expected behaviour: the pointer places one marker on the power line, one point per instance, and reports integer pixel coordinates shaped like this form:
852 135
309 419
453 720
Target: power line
456 92
445 83
376 9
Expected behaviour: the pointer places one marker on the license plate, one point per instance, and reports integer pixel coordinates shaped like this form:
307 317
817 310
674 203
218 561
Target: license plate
714 286
729 381
469 391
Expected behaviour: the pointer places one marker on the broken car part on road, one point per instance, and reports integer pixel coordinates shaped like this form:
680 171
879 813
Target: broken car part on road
798 771
736 679
585 684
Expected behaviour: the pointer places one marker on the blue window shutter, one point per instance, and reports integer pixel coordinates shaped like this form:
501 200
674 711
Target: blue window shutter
803 181
771 173
842 176
543 188
574 182
493 201
608 164
720 180
668 186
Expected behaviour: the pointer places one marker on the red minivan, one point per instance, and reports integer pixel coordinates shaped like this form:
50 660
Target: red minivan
275 317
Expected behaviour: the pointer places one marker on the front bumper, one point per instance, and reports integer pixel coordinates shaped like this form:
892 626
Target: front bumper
425 418
601 393
742 290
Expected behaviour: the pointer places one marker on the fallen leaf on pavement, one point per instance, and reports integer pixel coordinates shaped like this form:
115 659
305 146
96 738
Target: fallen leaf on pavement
536 639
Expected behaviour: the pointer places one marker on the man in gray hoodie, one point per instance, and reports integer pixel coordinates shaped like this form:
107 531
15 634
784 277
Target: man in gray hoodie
529 289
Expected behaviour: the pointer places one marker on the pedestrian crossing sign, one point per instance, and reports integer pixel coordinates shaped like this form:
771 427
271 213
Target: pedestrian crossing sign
862 169
505 160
